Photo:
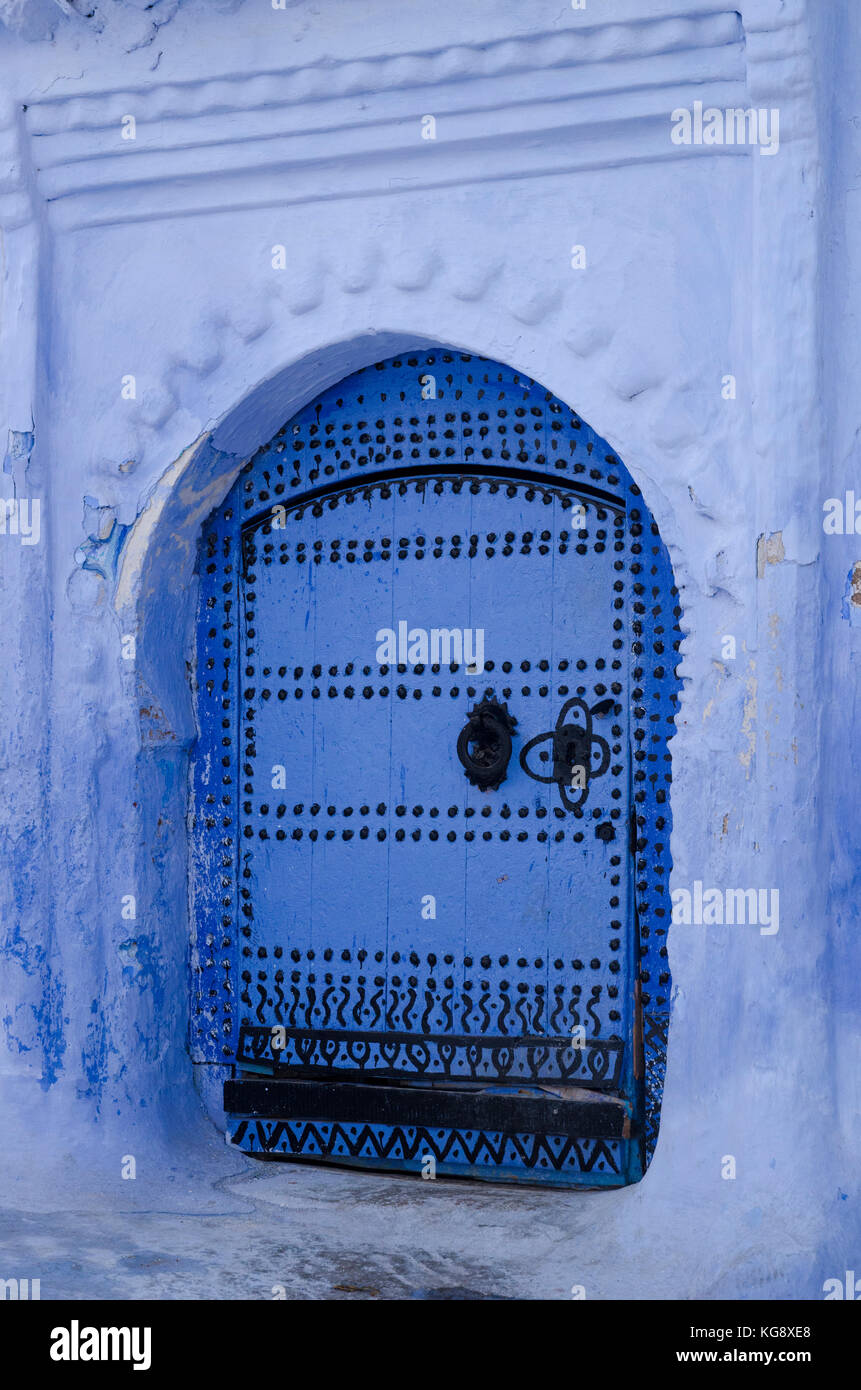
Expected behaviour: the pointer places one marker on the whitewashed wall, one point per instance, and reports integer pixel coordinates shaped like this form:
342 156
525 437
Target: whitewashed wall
152 258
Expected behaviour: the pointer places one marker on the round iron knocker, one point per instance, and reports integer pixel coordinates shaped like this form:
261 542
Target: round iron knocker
484 744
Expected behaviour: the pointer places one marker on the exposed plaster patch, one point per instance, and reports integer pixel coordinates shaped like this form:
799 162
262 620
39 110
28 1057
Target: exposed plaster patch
98 519
851 611
722 675
101 551
19 445
141 532
155 728
769 551
748 721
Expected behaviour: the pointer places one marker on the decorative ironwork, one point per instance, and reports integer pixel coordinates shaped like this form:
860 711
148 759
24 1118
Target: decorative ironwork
571 753
484 744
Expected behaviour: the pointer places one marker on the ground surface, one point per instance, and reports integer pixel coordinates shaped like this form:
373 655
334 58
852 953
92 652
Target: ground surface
314 1233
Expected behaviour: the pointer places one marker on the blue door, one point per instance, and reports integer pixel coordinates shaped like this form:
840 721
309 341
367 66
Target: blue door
414 782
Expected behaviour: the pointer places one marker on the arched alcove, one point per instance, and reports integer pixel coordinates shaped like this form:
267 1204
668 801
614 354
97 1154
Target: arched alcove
460 486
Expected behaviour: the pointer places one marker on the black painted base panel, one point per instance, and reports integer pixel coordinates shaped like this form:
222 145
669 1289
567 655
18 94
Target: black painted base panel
504 1112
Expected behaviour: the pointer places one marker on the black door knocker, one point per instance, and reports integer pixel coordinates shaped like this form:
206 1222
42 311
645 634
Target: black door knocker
484 744
571 752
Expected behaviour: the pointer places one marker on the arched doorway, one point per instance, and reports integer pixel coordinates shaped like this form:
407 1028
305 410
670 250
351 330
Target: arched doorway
435 683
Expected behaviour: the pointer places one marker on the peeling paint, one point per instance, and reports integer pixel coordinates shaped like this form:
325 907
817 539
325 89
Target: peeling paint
143 529
769 551
722 675
155 726
19 446
101 552
748 721
851 609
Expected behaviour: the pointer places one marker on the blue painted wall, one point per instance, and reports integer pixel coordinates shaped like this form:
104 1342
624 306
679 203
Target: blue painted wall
137 260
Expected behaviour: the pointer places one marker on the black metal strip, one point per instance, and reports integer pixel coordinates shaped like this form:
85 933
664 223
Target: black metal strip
344 1103
443 470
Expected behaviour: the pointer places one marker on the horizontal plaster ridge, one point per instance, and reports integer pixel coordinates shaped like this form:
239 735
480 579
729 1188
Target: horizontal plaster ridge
571 48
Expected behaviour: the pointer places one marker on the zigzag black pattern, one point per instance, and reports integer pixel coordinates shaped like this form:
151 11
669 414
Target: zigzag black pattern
655 1033
306 1138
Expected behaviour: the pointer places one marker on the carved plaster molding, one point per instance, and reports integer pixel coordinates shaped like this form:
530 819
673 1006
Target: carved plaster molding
546 104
